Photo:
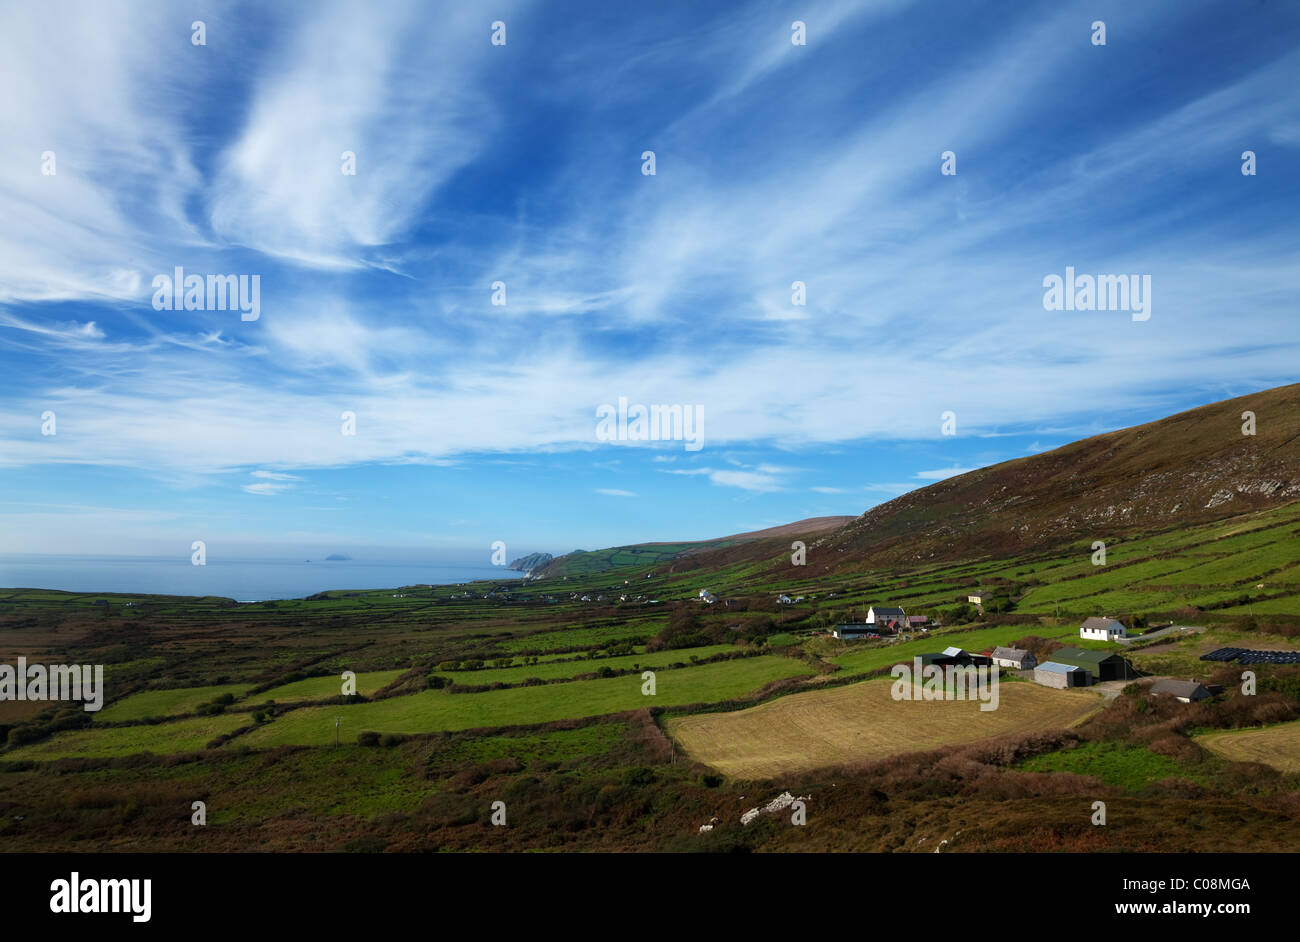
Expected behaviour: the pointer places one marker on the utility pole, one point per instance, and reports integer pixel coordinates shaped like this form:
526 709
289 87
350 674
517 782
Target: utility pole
337 721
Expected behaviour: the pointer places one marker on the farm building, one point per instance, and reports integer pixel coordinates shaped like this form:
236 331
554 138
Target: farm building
1184 691
1014 657
886 615
1102 629
854 632
918 621
1052 674
956 657
978 598
1103 665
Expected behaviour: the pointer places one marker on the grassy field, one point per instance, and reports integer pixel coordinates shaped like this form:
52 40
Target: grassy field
1277 746
435 710
641 627
150 703
322 688
555 670
1129 767
862 721
189 735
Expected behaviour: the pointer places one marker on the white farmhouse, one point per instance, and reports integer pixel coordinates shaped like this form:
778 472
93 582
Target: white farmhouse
1102 629
884 615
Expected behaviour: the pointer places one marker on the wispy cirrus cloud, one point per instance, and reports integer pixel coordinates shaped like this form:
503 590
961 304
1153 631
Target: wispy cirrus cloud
478 164
270 482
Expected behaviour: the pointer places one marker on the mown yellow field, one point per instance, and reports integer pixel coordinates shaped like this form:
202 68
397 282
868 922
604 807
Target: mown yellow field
1278 746
862 721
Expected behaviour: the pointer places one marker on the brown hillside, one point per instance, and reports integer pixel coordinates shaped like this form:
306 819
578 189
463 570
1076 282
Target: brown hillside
1192 467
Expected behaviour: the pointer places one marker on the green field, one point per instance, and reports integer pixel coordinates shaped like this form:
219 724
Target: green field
1129 767
149 703
435 710
322 688
188 735
637 627
554 670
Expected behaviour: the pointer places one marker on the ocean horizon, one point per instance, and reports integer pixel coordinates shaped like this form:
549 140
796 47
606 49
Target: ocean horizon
244 580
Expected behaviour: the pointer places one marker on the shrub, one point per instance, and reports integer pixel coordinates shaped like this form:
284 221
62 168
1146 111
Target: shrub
368 738
21 735
638 776
364 845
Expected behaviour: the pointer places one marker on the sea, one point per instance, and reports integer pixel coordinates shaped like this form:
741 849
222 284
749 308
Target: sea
245 580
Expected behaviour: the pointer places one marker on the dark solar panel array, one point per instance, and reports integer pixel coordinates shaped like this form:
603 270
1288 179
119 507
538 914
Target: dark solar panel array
1223 654
1269 657
1246 656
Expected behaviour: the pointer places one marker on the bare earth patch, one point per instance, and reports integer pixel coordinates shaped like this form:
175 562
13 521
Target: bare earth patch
862 721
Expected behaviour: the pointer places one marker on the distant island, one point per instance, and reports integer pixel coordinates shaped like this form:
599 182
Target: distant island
338 558
527 564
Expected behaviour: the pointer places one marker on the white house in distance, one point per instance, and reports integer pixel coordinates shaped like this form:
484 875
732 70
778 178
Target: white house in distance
977 598
1102 629
884 614
707 596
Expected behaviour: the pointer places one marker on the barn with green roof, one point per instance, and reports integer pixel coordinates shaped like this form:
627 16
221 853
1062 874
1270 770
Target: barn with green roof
1103 665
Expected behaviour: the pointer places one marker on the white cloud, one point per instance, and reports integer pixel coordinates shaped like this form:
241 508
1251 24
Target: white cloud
362 80
265 488
433 376
270 482
745 480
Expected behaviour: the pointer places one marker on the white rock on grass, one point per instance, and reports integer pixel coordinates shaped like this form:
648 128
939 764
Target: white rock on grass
779 803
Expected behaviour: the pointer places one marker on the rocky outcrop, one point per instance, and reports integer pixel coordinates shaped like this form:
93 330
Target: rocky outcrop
527 564
779 803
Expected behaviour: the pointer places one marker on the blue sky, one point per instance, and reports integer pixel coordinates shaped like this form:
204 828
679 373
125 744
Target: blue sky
522 163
